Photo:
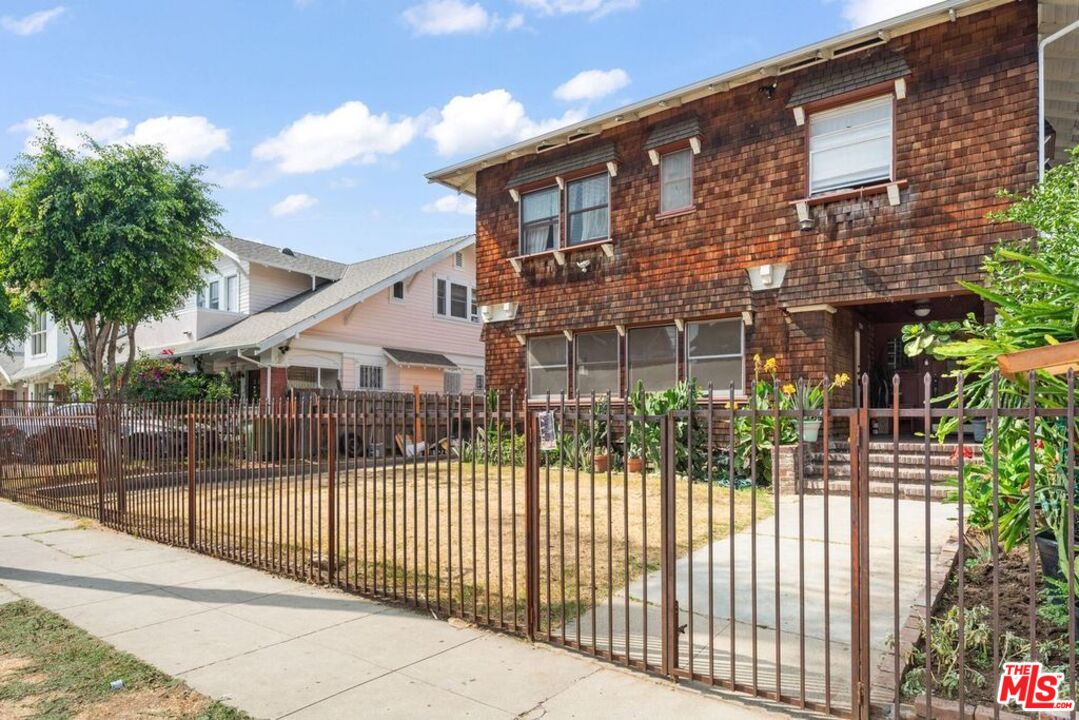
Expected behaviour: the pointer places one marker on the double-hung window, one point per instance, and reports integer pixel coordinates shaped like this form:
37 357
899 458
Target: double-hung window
547 363
232 293
455 300
653 357
676 181
215 295
714 350
851 146
596 363
39 334
539 221
588 205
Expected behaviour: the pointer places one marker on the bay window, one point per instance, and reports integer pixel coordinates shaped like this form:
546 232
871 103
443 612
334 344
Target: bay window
588 201
851 146
676 181
596 363
653 357
539 221
546 366
715 354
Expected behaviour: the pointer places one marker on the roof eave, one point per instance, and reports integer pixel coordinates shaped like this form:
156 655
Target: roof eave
465 171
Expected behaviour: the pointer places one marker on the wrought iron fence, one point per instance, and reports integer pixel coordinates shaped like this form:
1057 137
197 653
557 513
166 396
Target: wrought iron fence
751 544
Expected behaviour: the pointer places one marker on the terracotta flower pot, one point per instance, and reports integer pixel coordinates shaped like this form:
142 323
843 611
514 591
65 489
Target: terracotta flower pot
601 463
635 464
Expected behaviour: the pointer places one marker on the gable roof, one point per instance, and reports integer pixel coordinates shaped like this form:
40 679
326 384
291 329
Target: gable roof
281 258
10 364
462 176
359 281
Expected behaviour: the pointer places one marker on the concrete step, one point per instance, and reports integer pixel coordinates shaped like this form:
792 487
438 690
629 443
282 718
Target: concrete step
907 473
878 489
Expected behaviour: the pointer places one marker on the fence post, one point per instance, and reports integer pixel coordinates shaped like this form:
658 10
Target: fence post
861 656
100 462
331 471
668 553
532 524
190 474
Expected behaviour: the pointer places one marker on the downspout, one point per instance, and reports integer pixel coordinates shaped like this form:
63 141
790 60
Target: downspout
1041 91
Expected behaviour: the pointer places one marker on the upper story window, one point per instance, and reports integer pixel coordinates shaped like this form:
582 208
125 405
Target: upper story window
539 221
588 201
596 363
455 300
214 293
39 334
715 353
653 357
851 146
232 293
547 363
458 259
676 181
397 292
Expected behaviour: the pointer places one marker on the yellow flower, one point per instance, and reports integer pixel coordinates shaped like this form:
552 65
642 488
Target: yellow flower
770 365
757 362
841 380
788 389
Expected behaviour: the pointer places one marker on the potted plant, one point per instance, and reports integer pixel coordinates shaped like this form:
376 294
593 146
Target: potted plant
634 462
811 397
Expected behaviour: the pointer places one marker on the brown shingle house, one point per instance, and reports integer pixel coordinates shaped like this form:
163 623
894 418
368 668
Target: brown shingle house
804 207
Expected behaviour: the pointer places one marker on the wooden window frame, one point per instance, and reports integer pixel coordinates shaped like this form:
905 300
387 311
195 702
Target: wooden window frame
629 351
718 392
869 92
570 213
522 225
620 369
682 146
568 362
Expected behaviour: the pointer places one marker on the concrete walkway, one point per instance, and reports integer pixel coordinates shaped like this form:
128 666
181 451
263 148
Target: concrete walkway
278 648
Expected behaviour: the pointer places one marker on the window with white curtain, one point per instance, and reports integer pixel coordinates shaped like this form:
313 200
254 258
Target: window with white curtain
546 366
653 357
596 363
588 201
676 181
850 146
539 221
715 353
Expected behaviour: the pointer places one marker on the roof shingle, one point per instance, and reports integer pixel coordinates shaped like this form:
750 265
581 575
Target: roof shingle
849 74
600 154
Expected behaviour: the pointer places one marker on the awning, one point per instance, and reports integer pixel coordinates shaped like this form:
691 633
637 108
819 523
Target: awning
415 358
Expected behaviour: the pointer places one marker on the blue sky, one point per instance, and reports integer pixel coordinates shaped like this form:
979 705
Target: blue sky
318 118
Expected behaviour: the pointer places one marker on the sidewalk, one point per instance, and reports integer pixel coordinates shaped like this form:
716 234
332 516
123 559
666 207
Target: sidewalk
277 648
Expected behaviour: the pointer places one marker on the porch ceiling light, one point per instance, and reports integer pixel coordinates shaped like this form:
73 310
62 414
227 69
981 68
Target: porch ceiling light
922 309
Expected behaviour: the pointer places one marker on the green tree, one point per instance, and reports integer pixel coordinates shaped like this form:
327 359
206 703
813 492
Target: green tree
104 240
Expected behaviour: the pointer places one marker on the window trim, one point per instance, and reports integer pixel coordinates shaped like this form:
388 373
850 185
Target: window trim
622 372
570 213
565 366
677 364
692 181
557 218
360 367
42 333
470 301
739 392
863 95
446 374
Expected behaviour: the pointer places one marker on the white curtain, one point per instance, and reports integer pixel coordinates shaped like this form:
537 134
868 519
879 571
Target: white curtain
588 193
851 146
675 173
535 208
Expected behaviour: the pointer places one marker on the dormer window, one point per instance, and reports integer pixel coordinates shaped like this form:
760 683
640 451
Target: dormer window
588 200
539 221
851 146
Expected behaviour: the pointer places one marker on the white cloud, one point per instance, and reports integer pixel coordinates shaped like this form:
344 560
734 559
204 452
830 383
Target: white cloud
486 120
460 204
865 12
293 204
33 23
594 8
446 17
348 133
592 84
185 138
3 176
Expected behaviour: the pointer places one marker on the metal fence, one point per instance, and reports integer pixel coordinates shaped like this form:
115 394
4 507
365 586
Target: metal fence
753 545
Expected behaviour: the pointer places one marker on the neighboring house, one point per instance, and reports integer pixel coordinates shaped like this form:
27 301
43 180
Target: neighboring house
804 207
277 320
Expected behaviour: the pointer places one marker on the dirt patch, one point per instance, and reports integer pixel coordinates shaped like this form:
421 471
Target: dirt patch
11 665
174 702
18 709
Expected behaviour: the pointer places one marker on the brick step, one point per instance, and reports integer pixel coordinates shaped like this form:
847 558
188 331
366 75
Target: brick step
878 489
887 460
907 446
907 474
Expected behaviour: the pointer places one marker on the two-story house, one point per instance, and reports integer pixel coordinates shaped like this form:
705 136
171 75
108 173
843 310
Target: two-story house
804 207
277 319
